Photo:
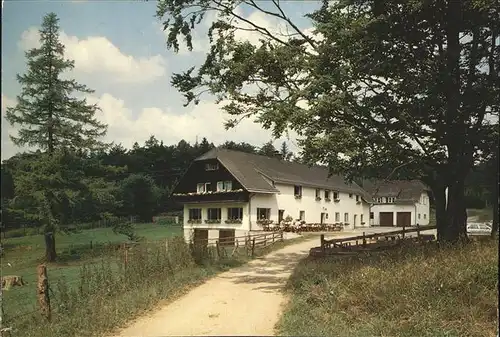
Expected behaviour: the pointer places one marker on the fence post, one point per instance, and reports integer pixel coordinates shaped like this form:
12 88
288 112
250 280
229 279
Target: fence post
418 231
404 232
253 247
217 247
125 255
322 240
364 240
43 291
281 236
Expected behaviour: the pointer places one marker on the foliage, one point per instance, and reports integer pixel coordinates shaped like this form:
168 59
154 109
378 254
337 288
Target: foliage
140 196
377 90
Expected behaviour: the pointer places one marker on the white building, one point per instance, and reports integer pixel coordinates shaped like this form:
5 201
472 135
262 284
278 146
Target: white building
229 193
398 203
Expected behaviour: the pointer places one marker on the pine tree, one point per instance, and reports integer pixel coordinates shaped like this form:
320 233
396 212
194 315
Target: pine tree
62 126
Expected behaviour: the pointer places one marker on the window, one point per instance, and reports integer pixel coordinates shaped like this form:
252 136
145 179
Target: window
235 213
318 193
302 215
350 195
195 214
297 191
327 194
425 216
213 213
263 213
419 215
212 167
425 200
224 186
379 200
390 200
335 195
371 215
361 218
346 217
220 186
357 197
337 217
202 187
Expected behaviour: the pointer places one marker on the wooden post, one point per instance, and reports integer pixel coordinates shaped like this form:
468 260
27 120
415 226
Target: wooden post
322 240
273 238
253 247
90 244
281 235
404 232
43 291
217 247
126 255
364 240
418 231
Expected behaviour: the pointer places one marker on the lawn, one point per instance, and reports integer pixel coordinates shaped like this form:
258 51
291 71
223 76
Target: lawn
412 291
23 254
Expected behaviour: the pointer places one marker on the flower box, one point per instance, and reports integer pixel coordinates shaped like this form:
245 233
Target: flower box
318 198
358 202
233 221
336 200
298 196
328 199
212 221
264 222
194 221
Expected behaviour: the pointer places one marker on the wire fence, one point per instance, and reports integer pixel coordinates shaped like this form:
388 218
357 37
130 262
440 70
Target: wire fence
117 268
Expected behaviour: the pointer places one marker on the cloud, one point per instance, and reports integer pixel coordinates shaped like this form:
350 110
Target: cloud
8 148
204 120
96 54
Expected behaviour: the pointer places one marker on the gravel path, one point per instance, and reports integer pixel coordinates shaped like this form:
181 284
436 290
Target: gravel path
246 300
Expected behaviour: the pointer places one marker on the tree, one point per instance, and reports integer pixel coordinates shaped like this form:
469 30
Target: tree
379 89
242 147
140 196
269 150
54 121
285 153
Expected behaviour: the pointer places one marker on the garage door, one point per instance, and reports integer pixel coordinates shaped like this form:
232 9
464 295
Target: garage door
386 219
226 237
403 219
200 237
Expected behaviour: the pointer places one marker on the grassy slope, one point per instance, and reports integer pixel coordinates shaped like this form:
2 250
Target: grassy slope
427 291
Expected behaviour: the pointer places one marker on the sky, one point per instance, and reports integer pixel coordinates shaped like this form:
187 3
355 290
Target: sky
120 51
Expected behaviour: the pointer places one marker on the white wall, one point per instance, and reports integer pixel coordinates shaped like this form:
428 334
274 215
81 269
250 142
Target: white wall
424 209
286 200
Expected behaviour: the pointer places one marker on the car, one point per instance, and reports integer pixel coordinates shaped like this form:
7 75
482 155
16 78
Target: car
478 229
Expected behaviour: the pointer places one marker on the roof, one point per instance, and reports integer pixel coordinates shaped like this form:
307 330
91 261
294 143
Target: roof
251 171
402 190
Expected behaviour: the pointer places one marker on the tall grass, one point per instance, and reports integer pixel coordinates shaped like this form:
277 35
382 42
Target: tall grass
411 291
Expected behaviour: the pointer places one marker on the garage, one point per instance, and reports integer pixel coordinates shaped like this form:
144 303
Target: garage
386 219
226 237
403 219
200 237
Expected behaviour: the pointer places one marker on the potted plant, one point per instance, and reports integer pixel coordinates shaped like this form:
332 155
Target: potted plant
212 221
233 221
194 221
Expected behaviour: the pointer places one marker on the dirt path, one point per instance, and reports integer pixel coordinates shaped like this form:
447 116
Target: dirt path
243 301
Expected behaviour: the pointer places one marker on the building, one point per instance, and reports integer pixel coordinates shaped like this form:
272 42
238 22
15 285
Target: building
229 193
398 202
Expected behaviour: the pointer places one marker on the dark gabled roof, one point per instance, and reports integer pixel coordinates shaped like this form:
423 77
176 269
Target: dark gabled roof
252 170
402 190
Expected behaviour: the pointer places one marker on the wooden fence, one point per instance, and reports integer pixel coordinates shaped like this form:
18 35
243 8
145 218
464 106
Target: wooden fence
362 240
249 243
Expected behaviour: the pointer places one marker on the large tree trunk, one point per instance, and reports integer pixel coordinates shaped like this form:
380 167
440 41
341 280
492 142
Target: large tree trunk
456 215
495 201
50 247
438 193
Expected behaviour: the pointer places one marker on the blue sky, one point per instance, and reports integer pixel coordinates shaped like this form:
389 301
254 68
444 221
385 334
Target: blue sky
119 51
